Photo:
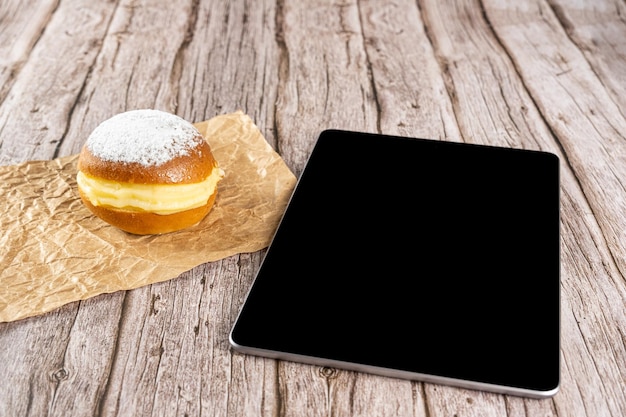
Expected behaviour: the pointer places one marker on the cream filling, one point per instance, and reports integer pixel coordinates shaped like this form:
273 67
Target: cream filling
155 198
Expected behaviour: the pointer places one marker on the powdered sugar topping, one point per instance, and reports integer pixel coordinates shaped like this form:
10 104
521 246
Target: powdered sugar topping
148 137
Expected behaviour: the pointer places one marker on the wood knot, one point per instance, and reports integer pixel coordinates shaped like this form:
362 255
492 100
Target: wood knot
328 373
60 375
157 351
153 302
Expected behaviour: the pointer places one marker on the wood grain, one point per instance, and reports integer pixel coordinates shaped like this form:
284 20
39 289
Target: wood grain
22 24
323 77
39 105
542 74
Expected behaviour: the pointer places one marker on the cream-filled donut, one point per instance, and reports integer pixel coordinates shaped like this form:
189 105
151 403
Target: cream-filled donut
148 172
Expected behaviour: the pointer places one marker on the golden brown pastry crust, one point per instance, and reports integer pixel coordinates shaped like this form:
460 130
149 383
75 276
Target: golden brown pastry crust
194 167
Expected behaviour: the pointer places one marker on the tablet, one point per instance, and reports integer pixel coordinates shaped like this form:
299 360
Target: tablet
419 259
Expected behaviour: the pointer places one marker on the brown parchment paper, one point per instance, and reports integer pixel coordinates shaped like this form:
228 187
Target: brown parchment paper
54 251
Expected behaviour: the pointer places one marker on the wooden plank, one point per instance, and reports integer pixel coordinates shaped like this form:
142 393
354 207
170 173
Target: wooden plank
49 62
21 25
411 100
138 66
492 106
172 355
597 29
410 92
518 124
38 107
589 127
33 351
57 355
81 376
592 314
581 113
230 64
329 54
323 76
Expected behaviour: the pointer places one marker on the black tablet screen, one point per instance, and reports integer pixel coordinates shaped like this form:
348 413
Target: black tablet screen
432 258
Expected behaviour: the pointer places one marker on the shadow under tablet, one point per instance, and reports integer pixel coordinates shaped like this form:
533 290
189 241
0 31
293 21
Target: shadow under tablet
419 259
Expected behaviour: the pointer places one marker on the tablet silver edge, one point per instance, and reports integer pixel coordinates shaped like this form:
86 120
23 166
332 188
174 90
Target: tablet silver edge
393 373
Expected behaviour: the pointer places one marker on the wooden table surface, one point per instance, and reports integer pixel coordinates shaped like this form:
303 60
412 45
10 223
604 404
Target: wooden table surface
537 74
